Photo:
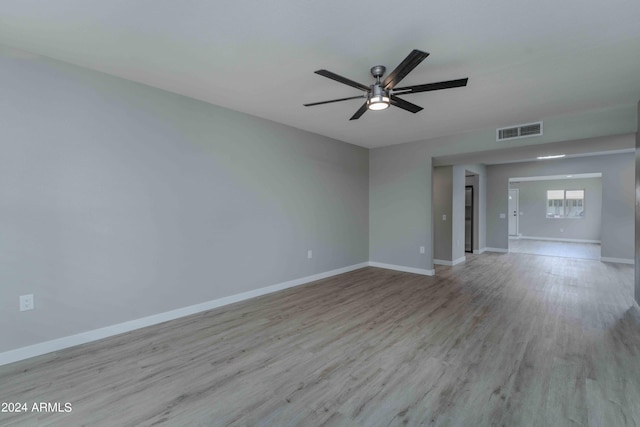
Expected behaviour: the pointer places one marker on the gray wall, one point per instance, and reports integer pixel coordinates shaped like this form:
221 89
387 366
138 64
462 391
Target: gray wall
618 171
637 248
119 201
533 204
400 206
457 223
443 205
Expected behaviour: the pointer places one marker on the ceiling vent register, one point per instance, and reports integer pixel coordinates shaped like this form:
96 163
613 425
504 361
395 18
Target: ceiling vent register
519 131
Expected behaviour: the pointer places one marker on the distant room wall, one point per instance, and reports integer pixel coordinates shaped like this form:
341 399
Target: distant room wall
533 219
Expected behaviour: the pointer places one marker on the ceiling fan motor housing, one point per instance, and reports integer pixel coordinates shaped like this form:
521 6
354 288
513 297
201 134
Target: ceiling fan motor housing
377 71
377 91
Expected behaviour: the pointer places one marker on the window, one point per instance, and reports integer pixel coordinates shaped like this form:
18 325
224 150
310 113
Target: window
565 203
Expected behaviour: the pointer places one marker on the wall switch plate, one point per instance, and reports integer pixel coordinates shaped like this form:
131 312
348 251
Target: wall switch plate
26 302
503 216
309 254
444 217
421 249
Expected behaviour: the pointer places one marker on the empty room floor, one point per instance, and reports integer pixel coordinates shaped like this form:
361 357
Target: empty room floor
552 248
501 339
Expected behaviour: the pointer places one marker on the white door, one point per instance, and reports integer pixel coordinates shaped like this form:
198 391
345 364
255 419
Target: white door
513 211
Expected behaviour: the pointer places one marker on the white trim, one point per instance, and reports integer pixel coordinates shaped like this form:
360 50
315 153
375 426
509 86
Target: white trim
617 260
108 331
479 251
449 263
559 239
402 268
459 260
501 250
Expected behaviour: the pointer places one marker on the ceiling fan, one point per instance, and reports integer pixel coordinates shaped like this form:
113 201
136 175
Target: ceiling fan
383 93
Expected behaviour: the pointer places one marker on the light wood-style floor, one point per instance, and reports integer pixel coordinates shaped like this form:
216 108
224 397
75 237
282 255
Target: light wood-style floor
500 340
553 248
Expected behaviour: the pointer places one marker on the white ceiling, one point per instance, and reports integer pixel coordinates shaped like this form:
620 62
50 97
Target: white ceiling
525 61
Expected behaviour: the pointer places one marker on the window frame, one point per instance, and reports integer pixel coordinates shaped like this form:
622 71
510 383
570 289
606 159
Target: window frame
564 205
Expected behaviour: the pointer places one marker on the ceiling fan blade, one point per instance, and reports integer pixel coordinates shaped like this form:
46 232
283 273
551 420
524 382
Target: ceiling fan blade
406 66
405 105
431 86
360 112
334 100
343 80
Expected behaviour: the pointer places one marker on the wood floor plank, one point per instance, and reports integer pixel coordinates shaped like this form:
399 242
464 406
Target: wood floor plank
500 340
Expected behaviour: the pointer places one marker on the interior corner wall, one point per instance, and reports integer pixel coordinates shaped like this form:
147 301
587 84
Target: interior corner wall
442 212
120 201
618 197
400 206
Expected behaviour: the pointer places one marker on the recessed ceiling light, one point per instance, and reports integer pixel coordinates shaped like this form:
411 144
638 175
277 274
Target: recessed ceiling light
555 156
569 176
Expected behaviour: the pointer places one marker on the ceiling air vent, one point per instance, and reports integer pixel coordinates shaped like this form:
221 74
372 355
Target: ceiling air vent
519 131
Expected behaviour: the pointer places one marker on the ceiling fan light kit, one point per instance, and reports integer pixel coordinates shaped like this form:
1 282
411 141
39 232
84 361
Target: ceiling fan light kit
381 94
378 98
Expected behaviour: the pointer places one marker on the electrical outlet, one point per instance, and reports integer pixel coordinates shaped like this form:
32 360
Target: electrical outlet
309 254
421 249
562 230
26 302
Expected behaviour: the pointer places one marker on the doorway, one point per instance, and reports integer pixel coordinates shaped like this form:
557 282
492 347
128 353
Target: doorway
556 215
468 218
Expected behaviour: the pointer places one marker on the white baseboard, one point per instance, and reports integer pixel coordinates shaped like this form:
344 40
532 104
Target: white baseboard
501 250
449 263
402 268
108 331
559 239
459 260
617 260
479 251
